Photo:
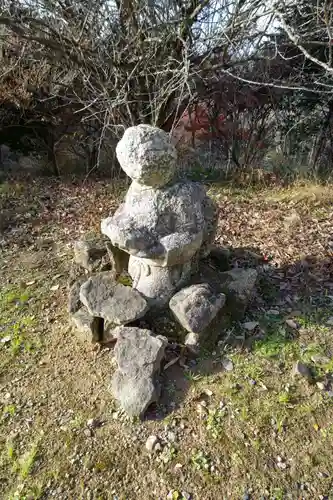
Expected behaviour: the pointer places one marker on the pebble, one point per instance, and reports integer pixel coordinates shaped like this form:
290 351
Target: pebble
92 423
208 392
250 325
227 364
321 386
292 324
330 321
152 443
301 369
5 340
273 312
171 437
280 463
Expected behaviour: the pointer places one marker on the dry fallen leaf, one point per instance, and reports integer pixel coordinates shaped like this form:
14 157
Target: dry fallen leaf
172 362
54 288
56 276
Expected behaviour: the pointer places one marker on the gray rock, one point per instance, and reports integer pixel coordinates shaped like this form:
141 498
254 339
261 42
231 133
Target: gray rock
138 354
91 254
117 303
239 287
97 290
74 302
152 443
109 331
133 341
147 155
250 325
196 306
302 370
76 273
125 306
171 437
88 328
227 364
192 342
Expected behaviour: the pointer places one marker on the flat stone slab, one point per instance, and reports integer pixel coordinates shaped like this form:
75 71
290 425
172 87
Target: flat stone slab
114 302
196 306
139 355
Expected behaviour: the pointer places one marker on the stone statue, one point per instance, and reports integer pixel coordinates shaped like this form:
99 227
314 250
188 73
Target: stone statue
159 233
164 225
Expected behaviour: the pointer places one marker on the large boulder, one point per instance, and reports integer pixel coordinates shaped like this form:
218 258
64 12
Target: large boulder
114 302
138 354
196 306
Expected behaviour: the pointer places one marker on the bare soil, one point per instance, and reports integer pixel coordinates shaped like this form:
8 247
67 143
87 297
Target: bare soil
256 431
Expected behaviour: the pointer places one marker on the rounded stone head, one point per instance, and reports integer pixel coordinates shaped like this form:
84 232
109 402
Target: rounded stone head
147 156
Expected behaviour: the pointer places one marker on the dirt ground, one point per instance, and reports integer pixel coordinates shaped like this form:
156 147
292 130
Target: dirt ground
235 424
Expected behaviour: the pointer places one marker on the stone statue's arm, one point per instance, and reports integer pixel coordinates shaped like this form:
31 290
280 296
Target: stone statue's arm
125 235
178 247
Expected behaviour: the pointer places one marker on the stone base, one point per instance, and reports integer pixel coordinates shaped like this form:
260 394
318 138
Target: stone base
158 284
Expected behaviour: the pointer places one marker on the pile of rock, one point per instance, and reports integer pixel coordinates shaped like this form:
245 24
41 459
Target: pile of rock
97 301
161 237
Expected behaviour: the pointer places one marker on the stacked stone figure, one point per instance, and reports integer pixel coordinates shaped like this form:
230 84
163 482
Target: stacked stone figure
164 226
159 235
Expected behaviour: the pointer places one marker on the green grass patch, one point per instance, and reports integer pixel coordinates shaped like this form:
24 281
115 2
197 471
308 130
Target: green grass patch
16 323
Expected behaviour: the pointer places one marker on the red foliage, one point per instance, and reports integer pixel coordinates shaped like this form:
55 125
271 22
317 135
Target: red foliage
199 125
